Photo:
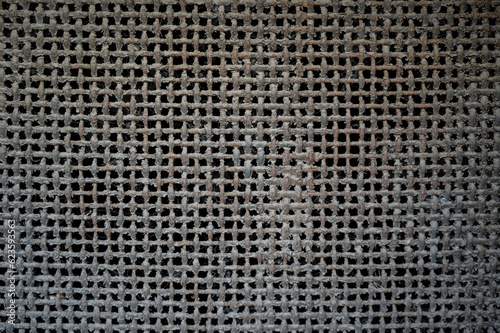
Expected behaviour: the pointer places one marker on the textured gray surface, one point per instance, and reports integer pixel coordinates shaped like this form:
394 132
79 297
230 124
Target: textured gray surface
251 166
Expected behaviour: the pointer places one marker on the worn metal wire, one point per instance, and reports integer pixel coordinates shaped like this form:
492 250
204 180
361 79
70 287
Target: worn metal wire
258 166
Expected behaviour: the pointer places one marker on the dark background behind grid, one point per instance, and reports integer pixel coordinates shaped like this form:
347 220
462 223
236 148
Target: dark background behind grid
252 166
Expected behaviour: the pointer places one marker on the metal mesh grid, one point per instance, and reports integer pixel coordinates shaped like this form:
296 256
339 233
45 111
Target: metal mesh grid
258 166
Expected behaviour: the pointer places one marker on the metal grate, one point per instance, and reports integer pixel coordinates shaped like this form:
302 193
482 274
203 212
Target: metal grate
224 166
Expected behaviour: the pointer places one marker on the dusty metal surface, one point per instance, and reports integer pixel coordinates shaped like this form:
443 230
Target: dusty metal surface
251 166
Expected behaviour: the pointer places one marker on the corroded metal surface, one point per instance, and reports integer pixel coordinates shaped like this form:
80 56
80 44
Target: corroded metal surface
260 166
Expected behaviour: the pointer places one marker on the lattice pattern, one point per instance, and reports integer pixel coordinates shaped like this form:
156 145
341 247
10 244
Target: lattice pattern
262 166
